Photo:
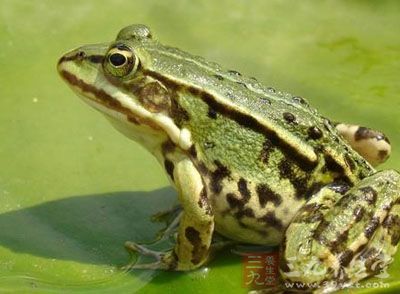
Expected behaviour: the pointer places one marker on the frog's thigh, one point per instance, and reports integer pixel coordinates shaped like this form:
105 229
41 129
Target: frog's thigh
374 146
347 239
197 222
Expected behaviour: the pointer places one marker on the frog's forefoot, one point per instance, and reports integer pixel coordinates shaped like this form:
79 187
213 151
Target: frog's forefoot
164 260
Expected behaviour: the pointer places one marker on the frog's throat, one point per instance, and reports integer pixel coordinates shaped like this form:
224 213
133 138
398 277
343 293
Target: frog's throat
134 113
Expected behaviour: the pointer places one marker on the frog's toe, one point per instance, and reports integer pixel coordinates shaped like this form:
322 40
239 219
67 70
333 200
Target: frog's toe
134 247
164 260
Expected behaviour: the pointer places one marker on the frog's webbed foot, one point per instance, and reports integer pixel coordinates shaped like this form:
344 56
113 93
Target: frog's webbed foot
163 260
374 146
341 236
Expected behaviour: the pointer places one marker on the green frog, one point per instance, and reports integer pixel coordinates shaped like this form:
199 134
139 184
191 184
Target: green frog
252 163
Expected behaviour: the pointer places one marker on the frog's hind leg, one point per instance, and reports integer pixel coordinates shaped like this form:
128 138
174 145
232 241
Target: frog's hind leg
341 237
374 146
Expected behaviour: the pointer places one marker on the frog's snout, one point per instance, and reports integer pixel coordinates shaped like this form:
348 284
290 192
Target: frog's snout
76 55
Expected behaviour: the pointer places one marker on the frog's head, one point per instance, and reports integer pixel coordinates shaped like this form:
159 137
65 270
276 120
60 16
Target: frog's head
112 79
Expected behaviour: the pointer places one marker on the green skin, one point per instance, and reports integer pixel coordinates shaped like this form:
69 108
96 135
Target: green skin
254 164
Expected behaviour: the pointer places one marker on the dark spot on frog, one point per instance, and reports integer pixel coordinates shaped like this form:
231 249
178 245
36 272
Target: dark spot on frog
244 190
371 227
203 201
209 145
270 219
345 257
332 165
219 77
285 169
234 72
133 119
363 133
202 168
342 277
300 100
192 151
96 58
233 201
169 167
319 232
266 150
212 113
309 213
217 176
248 212
339 187
167 147
392 224
289 117
289 170
265 195
242 84
372 259
179 114
199 250
271 90
382 154
314 133
369 194
340 242
358 213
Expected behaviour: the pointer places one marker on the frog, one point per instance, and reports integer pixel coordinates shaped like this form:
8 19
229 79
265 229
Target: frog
252 163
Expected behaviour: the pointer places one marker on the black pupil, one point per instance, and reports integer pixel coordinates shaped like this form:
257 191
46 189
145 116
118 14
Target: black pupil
117 59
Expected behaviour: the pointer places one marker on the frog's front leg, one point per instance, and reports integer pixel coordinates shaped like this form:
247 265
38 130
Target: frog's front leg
374 146
195 228
340 237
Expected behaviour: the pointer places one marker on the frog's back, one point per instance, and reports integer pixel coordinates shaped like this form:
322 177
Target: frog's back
287 121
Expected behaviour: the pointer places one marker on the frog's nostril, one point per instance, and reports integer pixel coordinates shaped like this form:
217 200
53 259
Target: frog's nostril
80 55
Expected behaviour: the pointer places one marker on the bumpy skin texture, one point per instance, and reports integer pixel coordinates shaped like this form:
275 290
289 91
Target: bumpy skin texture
247 160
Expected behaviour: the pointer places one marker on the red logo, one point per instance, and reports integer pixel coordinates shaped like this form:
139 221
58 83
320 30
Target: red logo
260 269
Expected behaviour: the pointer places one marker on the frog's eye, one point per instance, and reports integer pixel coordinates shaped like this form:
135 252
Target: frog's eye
120 61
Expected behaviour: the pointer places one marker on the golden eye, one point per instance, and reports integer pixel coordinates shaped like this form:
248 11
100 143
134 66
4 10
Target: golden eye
120 61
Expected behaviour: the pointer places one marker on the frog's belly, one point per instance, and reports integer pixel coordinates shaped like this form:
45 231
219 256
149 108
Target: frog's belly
251 223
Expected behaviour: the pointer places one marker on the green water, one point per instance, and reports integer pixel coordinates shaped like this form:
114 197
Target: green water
72 190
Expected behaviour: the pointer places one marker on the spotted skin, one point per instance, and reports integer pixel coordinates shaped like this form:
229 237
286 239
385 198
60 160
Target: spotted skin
197 223
345 233
374 146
